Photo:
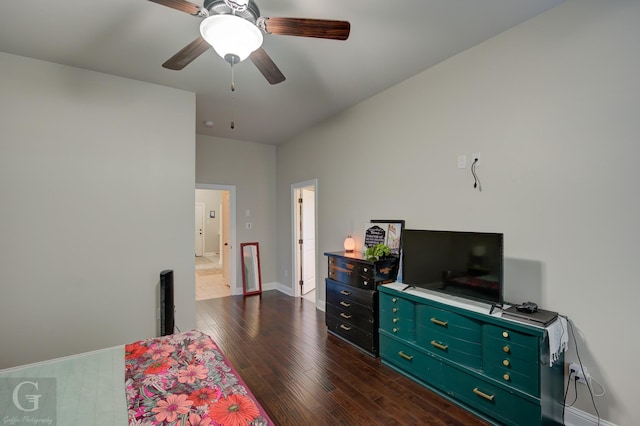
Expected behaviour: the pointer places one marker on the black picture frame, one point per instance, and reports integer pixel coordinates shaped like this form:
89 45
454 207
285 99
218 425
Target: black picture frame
387 231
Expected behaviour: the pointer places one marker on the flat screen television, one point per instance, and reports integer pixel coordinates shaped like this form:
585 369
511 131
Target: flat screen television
463 264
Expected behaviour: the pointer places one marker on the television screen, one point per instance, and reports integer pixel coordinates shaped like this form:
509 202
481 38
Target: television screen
465 264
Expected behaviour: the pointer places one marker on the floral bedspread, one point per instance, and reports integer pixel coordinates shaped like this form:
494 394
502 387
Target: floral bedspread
184 379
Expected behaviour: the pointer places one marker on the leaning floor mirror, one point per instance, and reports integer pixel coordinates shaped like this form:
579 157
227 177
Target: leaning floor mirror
251 279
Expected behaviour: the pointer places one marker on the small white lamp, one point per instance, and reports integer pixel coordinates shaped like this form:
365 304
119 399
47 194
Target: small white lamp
349 244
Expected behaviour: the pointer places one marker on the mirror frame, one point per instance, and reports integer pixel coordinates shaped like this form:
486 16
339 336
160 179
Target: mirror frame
258 273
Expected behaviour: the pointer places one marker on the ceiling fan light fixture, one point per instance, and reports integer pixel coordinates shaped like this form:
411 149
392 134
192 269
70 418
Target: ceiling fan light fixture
231 36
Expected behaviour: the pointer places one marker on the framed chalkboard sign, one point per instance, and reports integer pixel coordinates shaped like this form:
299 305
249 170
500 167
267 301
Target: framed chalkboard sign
388 232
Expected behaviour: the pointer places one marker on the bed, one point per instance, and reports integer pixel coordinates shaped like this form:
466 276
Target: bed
180 379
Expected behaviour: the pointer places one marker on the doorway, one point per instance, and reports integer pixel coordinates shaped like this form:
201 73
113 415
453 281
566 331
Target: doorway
304 206
215 262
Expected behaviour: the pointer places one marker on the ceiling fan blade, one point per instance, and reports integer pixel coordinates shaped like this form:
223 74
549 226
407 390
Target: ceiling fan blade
302 27
187 54
266 66
182 5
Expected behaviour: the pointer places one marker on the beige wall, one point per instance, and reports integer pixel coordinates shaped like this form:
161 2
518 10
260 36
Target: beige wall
552 106
251 168
96 177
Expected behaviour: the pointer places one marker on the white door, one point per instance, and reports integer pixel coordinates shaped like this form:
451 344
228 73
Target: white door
199 230
225 233
308 238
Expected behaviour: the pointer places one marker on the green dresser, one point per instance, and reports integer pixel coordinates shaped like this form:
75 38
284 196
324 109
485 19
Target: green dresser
494 367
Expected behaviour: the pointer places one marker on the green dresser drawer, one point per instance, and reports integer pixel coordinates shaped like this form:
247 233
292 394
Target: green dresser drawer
410 359
507 407
397 316
398 306
446 321
499 348
399 326
524 377
447 346
510 336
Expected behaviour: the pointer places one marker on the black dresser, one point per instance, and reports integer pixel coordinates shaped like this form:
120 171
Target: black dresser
352 296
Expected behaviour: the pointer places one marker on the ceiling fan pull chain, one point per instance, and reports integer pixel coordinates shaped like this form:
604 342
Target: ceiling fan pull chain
233 82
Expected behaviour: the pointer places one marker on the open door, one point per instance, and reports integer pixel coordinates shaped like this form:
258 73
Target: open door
308 240
304 244
199 230
225 240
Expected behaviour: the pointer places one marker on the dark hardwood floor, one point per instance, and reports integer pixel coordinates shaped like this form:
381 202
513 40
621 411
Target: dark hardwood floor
304 376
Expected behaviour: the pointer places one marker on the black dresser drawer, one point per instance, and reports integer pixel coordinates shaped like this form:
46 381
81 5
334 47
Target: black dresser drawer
351 272
362 273
365 339
337 293
352 296
355 314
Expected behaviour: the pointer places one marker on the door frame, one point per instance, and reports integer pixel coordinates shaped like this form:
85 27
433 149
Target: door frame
294 224
233 281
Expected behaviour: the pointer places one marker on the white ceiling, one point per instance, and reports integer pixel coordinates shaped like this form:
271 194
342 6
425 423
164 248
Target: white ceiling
389 42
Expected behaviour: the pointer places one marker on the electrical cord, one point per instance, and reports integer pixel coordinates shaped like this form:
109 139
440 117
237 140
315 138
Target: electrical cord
575 341
476 183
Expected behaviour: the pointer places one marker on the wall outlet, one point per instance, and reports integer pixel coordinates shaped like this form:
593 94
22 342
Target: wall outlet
581 374
462 161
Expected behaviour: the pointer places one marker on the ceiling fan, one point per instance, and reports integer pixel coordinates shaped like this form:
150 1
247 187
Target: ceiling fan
234 29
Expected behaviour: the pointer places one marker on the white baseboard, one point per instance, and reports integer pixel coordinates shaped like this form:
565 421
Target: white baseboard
270 286
575 417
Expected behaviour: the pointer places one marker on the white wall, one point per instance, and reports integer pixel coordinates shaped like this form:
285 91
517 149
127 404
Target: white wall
552 105
251 167
97 178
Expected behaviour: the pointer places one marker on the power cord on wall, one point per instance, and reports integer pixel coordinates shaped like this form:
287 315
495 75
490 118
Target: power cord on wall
476 183
575 379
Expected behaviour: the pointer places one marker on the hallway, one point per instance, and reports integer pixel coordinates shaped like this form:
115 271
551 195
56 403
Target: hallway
209 279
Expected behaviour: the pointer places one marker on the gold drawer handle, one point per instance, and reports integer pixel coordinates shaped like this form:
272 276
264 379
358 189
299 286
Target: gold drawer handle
365 282
439 345
366 270
506 349
395 330
344 327
438 322
345 293
345 304
405 356
505 334
482 394
506 377
345 316
395 320
506 363
394 310
394 300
